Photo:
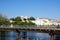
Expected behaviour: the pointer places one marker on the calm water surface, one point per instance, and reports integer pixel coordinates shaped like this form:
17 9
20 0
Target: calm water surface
33 35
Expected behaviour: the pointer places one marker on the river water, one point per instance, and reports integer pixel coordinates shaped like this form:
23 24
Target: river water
33 35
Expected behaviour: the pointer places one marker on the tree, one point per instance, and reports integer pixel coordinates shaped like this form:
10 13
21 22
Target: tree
58 26
12 19
25 19
4 20
31 18
3 17
18 19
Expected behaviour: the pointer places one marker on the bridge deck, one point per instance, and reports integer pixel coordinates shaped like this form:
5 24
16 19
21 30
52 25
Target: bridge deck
36 29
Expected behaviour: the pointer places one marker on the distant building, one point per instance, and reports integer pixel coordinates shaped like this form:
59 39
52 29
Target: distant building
46 21
41 21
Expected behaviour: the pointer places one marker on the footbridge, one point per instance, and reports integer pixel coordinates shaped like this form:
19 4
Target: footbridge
51 30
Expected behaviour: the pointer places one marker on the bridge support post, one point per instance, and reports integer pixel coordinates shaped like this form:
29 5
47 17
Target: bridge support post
17 34
25 35
51 35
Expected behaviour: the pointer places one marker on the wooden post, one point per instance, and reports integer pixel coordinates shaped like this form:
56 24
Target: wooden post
25 35
17 34
51 37
51 33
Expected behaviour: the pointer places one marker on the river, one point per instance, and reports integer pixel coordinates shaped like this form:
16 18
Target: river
33 35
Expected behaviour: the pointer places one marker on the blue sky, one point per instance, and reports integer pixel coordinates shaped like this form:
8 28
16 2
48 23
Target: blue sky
35 8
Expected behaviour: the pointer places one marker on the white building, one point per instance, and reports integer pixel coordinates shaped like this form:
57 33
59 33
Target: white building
46 21
41 21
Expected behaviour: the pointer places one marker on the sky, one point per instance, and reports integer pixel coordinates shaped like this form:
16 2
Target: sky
36 8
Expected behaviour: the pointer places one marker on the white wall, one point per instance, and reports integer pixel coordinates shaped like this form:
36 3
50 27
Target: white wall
41 22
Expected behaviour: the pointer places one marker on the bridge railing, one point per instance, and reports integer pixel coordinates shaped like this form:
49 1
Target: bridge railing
29 26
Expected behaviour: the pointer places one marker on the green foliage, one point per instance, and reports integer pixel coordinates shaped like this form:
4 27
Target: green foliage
31 18
22 23
18 19
25 19
58 26
12 19
4 20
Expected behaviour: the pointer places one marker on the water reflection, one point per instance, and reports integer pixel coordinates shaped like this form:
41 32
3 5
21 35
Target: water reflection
57 37
11 35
